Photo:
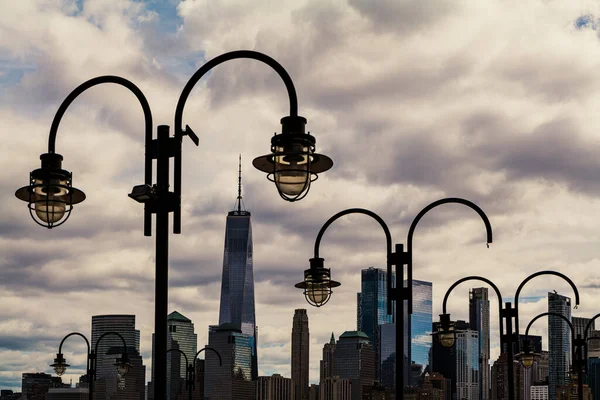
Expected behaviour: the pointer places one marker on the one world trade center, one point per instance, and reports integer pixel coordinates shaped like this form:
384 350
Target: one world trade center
237 284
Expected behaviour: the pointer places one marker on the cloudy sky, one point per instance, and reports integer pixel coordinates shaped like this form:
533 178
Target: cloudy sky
493 101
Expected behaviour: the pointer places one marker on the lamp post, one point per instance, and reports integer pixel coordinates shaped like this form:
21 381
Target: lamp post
507 316
317 282
190 380
577 348
292 166
122 363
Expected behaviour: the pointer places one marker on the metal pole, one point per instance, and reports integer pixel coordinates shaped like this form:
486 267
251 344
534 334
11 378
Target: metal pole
399 291
89 375
508 310
162 265
579 342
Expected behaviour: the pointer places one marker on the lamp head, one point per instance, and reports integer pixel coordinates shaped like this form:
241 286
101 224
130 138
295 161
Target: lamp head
446 335
293 163
49 195
123 365
527 356
60 364
317 283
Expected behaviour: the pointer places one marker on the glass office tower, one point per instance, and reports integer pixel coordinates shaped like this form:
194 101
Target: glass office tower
479 319
417 328
237 284
559 343
373 302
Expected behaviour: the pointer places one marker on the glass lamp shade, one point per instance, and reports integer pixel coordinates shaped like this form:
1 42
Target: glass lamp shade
60 365
527 360
123 366
50 195
447 339
317 283
293 163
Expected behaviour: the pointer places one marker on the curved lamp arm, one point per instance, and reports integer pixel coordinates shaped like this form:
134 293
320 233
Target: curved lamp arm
588 326
187 363
478 278
388 236
255 55
211 349
413 225
530 277
555 315
96 81
77 334
111 333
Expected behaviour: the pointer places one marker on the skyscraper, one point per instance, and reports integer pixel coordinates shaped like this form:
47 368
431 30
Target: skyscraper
326 366
479 319
233 379
300 353
355 361
237 284
559 343
274 387
417 327
373 302
180 331
106 372
386 355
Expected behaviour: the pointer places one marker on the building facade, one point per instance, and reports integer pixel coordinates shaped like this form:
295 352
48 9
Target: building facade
417 327
373 302
539 392
355 361
467 364
335 388
233 379
559 343
108 386
237 283
479 319
328 360
274 387
300 354
386 355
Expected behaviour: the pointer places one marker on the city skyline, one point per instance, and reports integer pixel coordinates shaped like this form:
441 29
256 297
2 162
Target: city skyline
494 103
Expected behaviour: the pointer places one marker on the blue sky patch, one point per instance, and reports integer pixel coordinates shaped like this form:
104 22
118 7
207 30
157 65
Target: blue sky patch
586 21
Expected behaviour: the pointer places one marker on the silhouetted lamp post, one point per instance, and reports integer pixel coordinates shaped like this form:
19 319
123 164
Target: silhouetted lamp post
292 165
577 348
122 363
317 283
190 380
507 316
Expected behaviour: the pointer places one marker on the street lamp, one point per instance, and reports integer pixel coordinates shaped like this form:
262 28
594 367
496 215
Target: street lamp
577 348
122 363
190 380
292 165
317 283
506 317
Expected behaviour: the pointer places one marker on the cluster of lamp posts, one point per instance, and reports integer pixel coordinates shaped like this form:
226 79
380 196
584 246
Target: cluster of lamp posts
292 165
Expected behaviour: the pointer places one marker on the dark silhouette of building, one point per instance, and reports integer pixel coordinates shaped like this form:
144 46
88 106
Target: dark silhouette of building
275 387
34 386
300 354
500 378
336 388
232 380
237 284
107 385
326 366
355 361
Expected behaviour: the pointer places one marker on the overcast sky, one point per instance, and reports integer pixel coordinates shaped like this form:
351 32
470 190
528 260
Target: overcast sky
493 101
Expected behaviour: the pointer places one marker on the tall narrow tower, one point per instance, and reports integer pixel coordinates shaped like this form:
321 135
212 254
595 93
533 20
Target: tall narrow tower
559 343
479 319
237 284
300 352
